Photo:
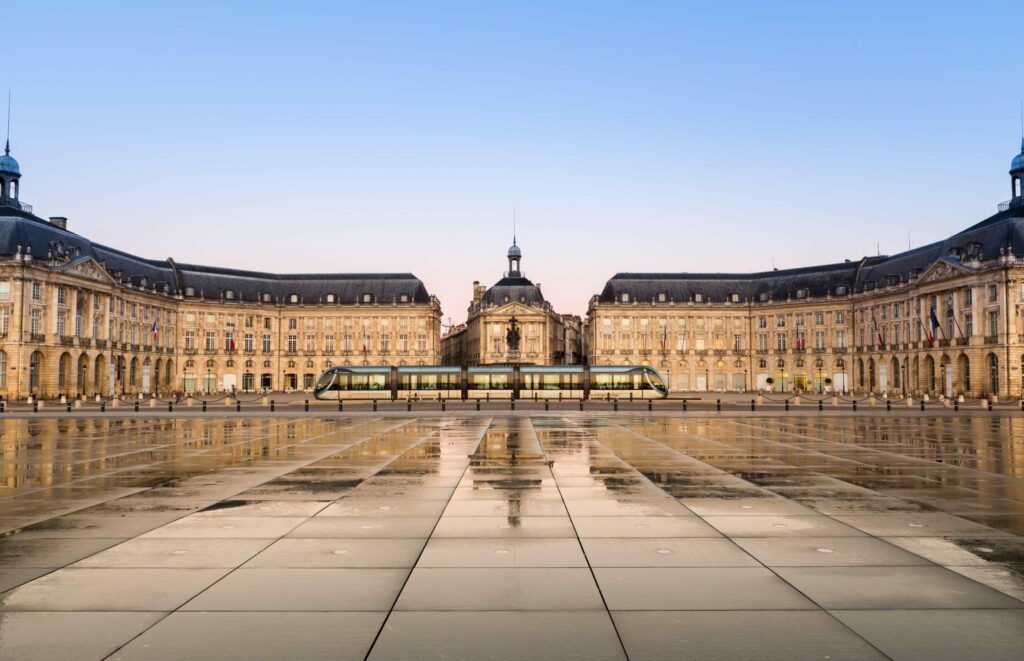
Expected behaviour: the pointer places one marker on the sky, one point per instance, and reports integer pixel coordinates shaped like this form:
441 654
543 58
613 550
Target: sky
400 136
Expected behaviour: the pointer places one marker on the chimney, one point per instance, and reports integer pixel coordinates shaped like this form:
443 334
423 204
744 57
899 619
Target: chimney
59 221
478 291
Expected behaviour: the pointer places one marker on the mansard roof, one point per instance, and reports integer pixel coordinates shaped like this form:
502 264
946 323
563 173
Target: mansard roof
517 289
982 241
31 233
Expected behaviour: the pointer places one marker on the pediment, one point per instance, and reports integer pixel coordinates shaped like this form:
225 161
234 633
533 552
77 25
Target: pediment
942 269
514 309
87 267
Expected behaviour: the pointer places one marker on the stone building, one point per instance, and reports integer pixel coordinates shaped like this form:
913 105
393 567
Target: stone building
944 319
511 322
80 318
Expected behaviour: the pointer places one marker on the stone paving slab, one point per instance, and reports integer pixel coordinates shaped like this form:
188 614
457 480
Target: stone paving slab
499 535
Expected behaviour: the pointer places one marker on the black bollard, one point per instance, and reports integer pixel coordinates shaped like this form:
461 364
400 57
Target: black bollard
375 406
512 404
204 406
922 404
442 405
2 406
581 403
341 406
631 395
136 406
718 405
408 404
307 406
547 405
990 405
170 407
271 406
238 406
684 406
477 403
956 405
821 405
787 404
103 407
888 405
855 406
650 404
753 405
35 406
1021 401
615 404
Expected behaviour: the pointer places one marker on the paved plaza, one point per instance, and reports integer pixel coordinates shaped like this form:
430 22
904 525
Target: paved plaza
508 535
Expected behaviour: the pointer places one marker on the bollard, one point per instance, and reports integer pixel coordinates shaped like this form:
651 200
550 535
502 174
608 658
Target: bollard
821 404
718 405
922 404
307 406
990 405
204 406
408 404
35 406
1021 402
888 405
69 407
375 406
512 404
238 406
2 406
631 395
956 405
684 406
442 405
547 405
855 405
753 405
650 404
615 404
477 403
787 403
103 407
341 406
487 396
581 403
271 406
136 406
170 407
535 395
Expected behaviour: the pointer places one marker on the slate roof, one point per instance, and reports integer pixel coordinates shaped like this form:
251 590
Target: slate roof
985 240
517 289
18 227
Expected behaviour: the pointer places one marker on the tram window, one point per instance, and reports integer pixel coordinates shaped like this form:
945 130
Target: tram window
366 382
428 382
551 382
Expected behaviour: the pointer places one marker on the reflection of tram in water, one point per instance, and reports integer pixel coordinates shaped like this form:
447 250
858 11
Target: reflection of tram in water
491 382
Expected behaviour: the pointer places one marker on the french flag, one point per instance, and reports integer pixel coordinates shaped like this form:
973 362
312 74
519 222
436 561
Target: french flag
154 331
934 324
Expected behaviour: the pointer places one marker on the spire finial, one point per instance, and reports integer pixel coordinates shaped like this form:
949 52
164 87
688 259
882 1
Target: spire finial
7 147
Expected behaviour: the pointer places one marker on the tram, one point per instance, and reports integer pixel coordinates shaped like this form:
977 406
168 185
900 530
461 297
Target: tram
491 382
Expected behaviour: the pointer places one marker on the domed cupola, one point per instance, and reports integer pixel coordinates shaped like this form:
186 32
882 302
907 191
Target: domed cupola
10 178
515 255
1017 178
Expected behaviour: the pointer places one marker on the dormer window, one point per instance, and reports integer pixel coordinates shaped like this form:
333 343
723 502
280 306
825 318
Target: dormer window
506 299
764 296
698 298
735 298
624 297
403 298
366 298
266 297
229 294
293 299
892 280
662 297
522 299
330 298
801 293
190 291
841 290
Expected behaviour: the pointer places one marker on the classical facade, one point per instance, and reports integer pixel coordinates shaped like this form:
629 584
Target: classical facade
942 319
79 318
511 322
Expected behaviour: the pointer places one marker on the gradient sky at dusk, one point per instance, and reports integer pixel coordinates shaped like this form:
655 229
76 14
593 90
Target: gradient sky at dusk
398 136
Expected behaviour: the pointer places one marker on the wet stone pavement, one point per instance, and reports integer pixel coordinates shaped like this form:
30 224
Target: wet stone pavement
510 536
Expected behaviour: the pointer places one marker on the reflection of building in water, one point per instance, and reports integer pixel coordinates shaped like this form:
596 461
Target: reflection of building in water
512 322
944 318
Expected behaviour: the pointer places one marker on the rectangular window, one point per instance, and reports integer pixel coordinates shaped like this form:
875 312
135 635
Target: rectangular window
310 342
403 342
993 293
60 323
5 290
681 343
969 325
266 323
190 340
762 342
37 291
840 317
5 321
780 341
293 343
993 323
780 321
799 320
737 343
266 343
249 344
819 339
385 342
292 324
211 341
762 322
329 343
